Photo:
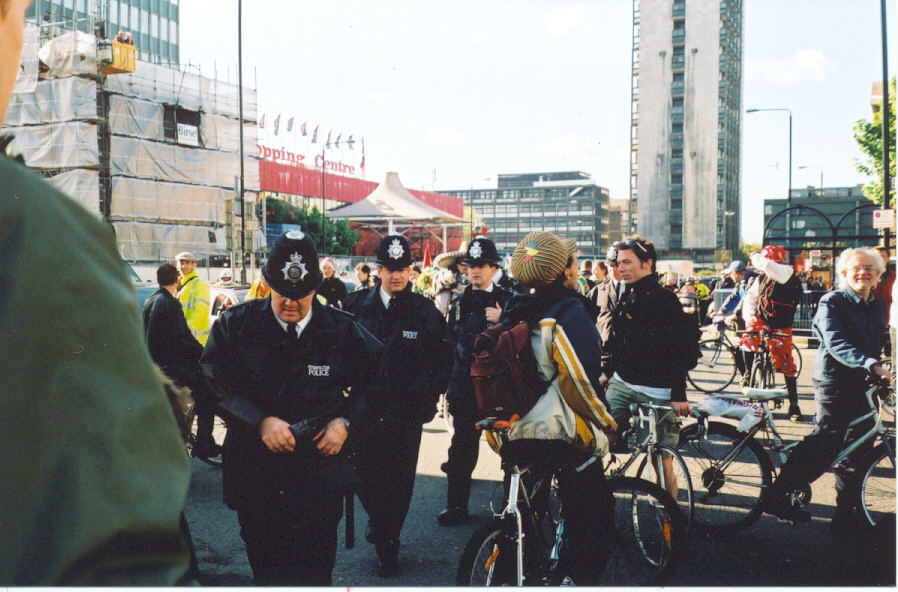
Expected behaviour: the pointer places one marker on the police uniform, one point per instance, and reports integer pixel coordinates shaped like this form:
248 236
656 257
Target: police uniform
467 318
288 504
412 374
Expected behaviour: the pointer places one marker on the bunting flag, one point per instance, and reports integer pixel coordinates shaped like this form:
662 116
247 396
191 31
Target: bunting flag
362 165
351 142
290 125
302 128
337 143
262 121
315 135
328 143
277 122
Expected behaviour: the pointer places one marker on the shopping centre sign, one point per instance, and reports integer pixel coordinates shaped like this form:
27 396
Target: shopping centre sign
283 156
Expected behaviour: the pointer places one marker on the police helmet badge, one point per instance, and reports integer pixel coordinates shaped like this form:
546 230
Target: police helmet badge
476 251
395 251
295 234
294 269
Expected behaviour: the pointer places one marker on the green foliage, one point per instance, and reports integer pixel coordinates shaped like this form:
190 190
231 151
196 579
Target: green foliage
868 135
341 239
746 249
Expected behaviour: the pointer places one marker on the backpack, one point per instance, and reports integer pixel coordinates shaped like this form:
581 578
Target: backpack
504 371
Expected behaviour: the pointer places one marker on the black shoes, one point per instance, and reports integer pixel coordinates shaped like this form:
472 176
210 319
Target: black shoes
784 508
206 449
387 558
453 516
794 413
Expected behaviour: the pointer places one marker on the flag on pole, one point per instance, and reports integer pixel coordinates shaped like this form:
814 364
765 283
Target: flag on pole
337 143
362 165
328 143
262 121
277 122
315 135
302 128
351 142
290 125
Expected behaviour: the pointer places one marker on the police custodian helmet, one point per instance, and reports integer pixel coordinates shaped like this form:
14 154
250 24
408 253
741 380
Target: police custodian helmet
292 268
481 251
394 252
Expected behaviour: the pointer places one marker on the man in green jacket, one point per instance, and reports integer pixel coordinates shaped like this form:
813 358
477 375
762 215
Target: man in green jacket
94 474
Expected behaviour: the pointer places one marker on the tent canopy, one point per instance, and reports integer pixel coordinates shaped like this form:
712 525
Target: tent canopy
390 201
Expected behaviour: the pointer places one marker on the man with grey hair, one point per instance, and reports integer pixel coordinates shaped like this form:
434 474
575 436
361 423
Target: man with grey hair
849 325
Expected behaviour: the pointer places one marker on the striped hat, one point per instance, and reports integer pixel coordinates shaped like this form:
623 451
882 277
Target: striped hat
540 258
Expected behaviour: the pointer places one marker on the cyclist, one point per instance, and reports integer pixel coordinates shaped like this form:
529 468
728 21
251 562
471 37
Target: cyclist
569 422
769 305
849 324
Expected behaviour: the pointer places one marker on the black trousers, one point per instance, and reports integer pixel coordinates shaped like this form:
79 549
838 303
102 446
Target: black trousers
837 406
385 459
463 452
291 540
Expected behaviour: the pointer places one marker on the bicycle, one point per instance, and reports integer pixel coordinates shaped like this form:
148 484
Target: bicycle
651 451
523 544
763 371
730 469
716 367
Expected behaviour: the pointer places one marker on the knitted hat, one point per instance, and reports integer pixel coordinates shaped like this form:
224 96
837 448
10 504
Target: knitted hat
540 258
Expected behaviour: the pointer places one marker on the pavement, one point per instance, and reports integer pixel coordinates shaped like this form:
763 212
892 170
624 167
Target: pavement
768 553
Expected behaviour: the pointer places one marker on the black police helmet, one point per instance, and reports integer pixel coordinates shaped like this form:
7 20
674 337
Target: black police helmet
394 252
292 268
480 252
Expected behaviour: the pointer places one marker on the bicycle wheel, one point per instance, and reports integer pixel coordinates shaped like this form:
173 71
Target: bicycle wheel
725 492
716 367
796 357
878 485
763 374
219 430
490 557
684 493
647 534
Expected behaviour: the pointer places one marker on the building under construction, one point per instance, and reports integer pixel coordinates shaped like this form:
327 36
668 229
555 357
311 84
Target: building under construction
152 149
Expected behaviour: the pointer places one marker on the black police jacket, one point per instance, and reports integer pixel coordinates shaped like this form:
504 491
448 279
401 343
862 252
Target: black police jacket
415 366
650 338
249 355
172 346
466 320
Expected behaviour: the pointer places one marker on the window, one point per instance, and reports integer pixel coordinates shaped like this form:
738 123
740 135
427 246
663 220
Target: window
173 116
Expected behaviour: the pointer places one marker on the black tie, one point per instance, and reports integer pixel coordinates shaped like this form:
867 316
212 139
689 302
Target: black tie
292 336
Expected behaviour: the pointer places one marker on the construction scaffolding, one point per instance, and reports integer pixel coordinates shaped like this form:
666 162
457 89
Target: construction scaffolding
154 152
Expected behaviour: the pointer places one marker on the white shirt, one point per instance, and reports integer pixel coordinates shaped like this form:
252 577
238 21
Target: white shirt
300 325
385 298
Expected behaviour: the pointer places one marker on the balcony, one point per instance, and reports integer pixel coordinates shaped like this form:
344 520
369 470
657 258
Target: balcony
676 165
679 10
678 37
676 191
676 88
676 116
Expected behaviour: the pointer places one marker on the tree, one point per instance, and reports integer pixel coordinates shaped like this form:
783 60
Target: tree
868 135
341 239
746 249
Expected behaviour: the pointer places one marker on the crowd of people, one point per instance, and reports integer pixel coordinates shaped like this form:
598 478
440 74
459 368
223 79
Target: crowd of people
325 392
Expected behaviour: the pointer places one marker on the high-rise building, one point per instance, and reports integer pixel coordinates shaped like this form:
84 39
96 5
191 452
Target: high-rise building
153 24
569 204
685 125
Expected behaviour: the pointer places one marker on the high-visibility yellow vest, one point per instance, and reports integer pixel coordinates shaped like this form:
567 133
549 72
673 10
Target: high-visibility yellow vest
193 293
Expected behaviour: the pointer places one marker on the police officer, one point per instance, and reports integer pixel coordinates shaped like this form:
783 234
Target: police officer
413 372
280 360
475 310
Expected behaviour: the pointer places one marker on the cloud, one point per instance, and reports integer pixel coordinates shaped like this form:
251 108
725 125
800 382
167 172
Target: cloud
805 66
562 21
380 96
443 136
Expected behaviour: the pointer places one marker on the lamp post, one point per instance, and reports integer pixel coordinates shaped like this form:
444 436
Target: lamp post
726 223
789 192
814 166
240 193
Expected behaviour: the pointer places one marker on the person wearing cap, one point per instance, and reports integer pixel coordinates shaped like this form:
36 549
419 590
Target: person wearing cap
568 424
332 289
94 472
194 296
400 400
586 283
477 308
605 296
278 361
651 347
769 304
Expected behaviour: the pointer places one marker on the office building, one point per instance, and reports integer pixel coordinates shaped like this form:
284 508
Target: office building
685 125
569 204
153 24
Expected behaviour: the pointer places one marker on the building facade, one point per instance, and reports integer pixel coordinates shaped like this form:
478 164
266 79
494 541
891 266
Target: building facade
685 125
569 204
153 24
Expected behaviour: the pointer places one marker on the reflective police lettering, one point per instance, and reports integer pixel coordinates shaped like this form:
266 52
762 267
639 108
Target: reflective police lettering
319 370
410 334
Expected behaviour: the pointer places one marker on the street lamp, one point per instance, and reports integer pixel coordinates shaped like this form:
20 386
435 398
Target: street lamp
789 193
814 166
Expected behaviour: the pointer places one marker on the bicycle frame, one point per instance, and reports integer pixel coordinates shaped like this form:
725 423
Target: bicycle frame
646 414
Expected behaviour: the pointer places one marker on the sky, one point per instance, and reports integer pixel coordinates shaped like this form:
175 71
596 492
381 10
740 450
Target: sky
451 93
